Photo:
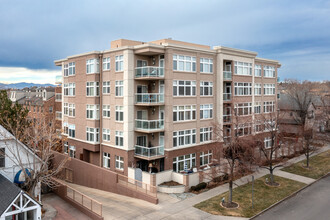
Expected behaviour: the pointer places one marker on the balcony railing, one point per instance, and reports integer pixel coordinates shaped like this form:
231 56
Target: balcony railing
149 72
226 118
149 151
226 96
149 98
149 125
227 75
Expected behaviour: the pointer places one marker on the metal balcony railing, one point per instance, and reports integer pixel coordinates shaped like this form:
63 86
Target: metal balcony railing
149 125
227 75
149 151
149 98
149 71
226 118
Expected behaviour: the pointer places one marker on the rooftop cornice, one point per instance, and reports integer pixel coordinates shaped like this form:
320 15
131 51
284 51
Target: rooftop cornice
233 51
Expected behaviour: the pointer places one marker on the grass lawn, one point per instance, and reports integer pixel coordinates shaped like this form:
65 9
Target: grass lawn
320 165
264 196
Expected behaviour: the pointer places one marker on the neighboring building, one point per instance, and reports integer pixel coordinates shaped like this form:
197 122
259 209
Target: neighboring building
15 203
153 105
41 102
322 112
14 155
289 117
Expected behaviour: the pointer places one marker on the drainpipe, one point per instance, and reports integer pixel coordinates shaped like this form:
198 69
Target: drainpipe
101 106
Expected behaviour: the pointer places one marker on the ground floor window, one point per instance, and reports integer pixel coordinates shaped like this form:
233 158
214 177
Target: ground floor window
268 142
106 160
119 163
205 157
184 162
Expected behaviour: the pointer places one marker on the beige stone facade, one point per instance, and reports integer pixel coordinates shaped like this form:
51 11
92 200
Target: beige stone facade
150 97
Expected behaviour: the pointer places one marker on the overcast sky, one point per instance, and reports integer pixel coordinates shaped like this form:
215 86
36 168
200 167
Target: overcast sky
35 33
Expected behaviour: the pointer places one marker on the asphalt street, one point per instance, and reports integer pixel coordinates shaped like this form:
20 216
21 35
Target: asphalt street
311 203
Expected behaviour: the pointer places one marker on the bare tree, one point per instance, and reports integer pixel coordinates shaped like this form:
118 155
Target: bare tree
269 142
237 151
41 140
301 94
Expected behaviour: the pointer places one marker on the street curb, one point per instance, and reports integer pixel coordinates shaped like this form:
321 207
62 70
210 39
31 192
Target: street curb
292 195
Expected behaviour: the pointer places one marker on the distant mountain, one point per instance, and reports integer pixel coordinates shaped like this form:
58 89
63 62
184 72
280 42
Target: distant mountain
22 85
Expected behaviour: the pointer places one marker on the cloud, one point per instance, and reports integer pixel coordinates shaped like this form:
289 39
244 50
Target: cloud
20 74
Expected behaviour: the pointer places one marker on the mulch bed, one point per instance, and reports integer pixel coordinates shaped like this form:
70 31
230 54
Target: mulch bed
227 205
170 183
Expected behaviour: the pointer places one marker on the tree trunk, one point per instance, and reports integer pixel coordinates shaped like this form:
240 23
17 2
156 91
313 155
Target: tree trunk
271 176
307 160
230 199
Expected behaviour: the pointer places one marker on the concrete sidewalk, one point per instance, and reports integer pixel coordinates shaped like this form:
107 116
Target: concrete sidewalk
121 207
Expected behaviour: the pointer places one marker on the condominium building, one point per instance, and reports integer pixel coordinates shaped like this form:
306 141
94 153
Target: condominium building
153 105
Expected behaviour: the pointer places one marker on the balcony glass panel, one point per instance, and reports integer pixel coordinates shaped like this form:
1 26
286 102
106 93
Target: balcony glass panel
227 75
226 96
149 151
149 125
149 71
149 98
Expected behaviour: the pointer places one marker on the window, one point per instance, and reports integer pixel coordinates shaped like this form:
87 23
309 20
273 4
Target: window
58 97
65 128
106 134
205 158
119 63
243 129
184 88
269 89
269 71
269 107
92 112
257 89
243 108
92 66
66 147
258 126
119 113
70 69
206 111
184 63
183 138
119 138
119 88
106 160
69 89
2 157
72 152
119 163
106 63
257 70
205 134
72 130
58 115
92 89
184 112
92 134
180 162
270 125
268 142
206 88
206 65
106 87
243 89
242 68
50 109
106 111
257 107
71 110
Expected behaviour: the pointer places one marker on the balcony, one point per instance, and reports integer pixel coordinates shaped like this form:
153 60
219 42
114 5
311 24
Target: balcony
146 99
226 119
227 75
149 126
149 152
149 72
227 97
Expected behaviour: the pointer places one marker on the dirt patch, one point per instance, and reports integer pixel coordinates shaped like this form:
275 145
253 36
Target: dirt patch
170 183
229 205
274 184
